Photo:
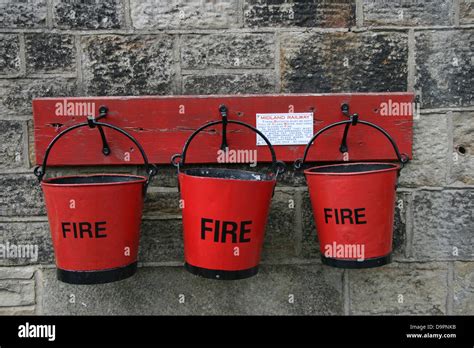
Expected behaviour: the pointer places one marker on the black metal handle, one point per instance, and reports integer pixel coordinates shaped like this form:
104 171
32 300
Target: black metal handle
402 158
103 110
223 112
179 159
40 171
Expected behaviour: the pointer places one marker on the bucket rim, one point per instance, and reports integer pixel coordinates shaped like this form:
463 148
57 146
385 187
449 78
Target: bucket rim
268 177
393 167
139 179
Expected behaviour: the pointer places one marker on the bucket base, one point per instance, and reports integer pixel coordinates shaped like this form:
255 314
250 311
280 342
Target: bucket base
221 275
367 263
96 277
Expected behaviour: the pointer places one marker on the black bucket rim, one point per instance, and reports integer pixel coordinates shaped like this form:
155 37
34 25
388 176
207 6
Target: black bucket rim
383 167
135 179
268 177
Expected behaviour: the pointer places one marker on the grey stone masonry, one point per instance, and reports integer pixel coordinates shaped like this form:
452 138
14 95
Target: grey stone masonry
431 151
293 13
9 54
17 287
25 243
128 65
50 53
23 14
464 288
12 152
463 148
343 62
227 51
59 48
400 289
446 79
157 290
175 14
466 11
21 193
407 12
443 225
16 95
95 14
228 83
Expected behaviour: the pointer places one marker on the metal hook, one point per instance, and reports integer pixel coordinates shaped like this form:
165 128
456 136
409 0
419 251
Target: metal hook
151 169
92 123
102 112
354 118
345 109
223 111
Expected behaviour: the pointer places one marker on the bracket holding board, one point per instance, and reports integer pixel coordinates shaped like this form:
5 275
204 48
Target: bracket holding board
163 123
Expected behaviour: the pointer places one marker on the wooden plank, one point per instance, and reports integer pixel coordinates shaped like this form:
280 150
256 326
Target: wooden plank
163 123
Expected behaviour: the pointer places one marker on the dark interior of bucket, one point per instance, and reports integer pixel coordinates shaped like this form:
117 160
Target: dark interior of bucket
353 168
236 174
93 179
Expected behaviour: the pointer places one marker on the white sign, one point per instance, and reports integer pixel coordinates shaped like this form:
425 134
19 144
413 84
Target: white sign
285 129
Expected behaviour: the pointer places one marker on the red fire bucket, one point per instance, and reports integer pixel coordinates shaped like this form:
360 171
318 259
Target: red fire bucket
224 215
353 206
95 219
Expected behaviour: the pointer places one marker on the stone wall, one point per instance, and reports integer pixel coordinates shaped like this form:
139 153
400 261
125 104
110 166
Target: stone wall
161 47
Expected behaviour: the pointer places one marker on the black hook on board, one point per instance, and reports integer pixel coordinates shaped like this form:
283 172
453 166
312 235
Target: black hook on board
223 111
354 118
92 124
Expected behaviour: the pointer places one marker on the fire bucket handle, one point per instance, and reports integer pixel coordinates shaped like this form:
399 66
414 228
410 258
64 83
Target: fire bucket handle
40 170
402 157
178 160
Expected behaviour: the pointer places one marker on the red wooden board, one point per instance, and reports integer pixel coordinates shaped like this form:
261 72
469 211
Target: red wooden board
163 123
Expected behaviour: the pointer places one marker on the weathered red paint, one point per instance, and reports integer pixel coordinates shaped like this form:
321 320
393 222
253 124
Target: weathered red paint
210 203
163 123
112 210
354 207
